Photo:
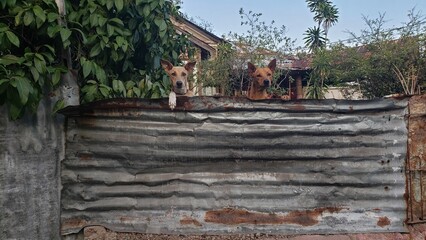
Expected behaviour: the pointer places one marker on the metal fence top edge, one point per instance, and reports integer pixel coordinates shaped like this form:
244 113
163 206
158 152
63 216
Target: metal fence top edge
224 104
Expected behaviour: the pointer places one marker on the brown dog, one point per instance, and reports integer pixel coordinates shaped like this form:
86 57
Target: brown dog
179 78
261 79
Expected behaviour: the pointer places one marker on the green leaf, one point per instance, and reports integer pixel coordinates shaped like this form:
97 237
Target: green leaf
51 17
118 21
65 34
93 20
56 77
15 111
28 18
18 18
100 73
105 90
38 11
10 59
53 30
163 25
90 92
109 4
87 68
39 65
11 3
129 93
102 21
137 91
58 105
146 10
35 73
130 84
110 30
95 50
119 5
23 86
39 56
119 88
12 38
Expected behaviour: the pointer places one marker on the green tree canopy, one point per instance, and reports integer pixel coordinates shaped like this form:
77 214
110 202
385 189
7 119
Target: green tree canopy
115 47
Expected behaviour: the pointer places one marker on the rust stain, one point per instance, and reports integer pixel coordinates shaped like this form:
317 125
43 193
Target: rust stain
230 216
73 223
383 221
296 107
85 156
188 105
417 104
190 221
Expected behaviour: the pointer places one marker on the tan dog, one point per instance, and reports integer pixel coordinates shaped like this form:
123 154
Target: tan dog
261 79
179 78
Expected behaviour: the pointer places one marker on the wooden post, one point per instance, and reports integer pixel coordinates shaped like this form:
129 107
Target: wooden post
299 87
199 80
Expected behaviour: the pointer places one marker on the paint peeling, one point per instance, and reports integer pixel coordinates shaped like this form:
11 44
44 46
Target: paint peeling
230 216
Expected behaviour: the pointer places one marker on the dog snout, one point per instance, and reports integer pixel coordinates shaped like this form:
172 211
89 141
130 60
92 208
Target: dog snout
179 84
266 83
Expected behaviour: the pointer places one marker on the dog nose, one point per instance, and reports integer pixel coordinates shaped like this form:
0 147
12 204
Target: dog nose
266 83
179 84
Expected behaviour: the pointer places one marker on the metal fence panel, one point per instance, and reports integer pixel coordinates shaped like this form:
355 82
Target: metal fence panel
230 165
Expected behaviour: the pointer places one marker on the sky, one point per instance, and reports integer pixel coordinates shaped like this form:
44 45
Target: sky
295 15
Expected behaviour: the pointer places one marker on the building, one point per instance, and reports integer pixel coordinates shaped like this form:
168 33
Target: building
205 42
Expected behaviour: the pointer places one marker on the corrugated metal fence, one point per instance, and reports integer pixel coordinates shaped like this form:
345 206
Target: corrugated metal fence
230 165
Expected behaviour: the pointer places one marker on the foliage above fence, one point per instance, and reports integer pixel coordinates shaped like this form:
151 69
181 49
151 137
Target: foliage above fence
105 41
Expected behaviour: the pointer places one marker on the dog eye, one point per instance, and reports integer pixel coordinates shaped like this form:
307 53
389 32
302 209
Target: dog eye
258 75
174 74
183 74
269 74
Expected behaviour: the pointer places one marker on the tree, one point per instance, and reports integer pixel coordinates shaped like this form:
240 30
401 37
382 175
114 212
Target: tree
321 69
390 60
325 14
217 72
116 47
314 39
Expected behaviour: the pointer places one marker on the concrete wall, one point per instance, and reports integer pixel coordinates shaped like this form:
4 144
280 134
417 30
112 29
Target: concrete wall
30 152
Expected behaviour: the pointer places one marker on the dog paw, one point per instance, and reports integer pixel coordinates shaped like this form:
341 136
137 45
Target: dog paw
172 100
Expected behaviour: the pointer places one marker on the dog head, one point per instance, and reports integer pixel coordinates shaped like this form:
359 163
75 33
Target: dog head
178 75
262 77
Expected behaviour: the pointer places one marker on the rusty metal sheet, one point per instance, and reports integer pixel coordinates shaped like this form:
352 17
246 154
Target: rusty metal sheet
416 161
231 165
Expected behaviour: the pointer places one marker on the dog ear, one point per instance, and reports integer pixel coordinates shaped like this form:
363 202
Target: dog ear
273 64
166 65
251 67
190 66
